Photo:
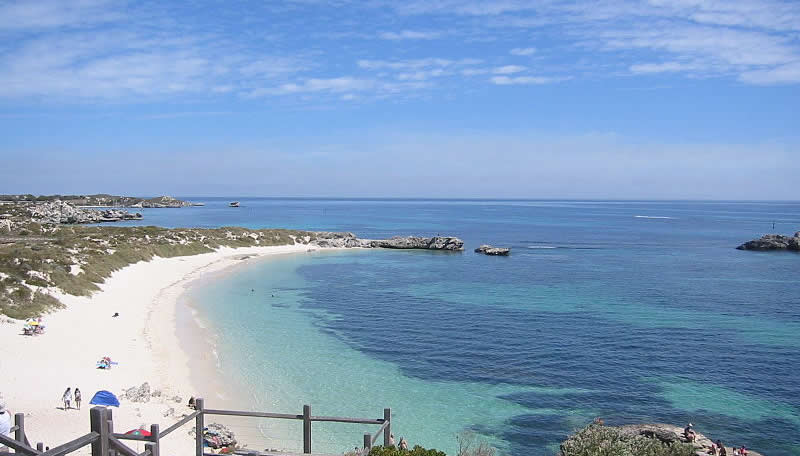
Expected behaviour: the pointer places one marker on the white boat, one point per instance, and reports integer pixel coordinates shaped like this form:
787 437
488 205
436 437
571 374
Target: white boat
234 204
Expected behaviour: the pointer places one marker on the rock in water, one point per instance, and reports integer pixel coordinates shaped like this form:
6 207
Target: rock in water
489 250
326 239
414 242
773 242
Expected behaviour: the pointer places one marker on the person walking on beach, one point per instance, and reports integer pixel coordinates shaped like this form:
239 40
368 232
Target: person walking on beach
67 398
77 398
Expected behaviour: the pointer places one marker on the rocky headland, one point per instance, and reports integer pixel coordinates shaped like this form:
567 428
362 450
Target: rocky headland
635 439
101 200
773 242
58 212
494 251
669 434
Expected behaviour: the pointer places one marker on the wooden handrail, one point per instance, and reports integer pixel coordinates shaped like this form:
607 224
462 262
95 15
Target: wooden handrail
337 419
140 438
180 423
121 447
76 444
377 434
18 446
285 416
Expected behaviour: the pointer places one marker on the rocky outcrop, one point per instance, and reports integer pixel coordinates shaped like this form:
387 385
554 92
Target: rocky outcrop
413 242
56 212
162 202
349 240
217 436
489 250
773 242
670 434
139 393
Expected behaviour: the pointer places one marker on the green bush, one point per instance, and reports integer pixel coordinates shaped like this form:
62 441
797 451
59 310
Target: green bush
598 440
394 451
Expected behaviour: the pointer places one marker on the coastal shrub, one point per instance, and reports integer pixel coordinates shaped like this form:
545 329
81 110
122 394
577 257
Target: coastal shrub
395 451
101 250
598 440
470 445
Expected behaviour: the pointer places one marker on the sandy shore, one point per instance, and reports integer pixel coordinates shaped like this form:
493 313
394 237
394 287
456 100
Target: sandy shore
144 340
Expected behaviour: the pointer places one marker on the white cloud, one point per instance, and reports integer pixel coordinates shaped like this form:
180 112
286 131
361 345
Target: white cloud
43 14
522 51
785 74
414 64
518 80
508 69
336 85
409 35
664 67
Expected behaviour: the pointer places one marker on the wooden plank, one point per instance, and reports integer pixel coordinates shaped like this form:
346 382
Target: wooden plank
180 423
97 419
198 438
307 429
155 450
338 419
377 434
76 444
19 433
18 446
387 427
121 447
285 416
119 436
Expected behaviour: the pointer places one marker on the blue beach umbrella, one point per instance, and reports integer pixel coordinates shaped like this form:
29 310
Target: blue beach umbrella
104 397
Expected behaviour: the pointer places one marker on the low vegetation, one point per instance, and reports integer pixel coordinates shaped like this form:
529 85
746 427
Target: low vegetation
598 440
36 259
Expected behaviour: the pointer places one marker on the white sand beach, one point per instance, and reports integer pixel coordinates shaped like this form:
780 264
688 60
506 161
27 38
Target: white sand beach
143 340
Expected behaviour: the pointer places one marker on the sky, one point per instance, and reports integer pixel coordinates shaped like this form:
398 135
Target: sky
609 99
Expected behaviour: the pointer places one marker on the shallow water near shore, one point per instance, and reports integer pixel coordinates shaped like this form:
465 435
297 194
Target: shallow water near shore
603 309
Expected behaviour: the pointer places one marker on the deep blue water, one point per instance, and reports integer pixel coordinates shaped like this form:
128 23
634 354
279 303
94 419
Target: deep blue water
600 311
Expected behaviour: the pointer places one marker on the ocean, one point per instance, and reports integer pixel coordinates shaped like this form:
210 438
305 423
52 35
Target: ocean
628 311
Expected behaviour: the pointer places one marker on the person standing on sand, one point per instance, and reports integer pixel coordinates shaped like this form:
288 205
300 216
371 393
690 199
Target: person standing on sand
67 398
78 398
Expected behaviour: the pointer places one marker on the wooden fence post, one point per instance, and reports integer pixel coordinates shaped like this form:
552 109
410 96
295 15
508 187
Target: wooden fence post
307 429
110 429
97 419
19 421
367 442
156 439
198 422
387 431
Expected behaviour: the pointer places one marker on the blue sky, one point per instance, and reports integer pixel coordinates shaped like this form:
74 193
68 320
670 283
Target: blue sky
683 99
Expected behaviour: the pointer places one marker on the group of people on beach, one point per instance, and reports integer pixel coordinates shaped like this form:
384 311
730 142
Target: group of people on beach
67 398
717 448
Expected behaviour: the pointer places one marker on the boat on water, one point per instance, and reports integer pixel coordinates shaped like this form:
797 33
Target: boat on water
234 204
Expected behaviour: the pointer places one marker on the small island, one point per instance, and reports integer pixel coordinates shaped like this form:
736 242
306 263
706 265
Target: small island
493 251
773 242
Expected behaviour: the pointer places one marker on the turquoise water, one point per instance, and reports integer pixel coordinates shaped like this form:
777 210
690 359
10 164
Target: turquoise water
598 312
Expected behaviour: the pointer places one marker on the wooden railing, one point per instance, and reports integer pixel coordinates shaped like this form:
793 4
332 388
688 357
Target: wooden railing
105 442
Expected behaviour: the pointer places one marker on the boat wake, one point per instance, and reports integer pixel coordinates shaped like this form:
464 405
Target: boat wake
651 217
